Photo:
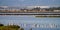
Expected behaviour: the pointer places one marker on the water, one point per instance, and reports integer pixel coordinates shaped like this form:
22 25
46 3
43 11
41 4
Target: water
25 19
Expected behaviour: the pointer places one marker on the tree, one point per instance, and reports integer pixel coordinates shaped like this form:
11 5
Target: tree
37 8
1 25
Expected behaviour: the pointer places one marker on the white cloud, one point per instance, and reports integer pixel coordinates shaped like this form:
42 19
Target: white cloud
4 6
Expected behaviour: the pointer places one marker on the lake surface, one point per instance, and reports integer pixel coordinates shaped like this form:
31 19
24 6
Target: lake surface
29 20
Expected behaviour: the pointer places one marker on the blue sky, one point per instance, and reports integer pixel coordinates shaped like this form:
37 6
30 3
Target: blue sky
29 2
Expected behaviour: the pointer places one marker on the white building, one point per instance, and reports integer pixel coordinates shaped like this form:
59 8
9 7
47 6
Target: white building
38 6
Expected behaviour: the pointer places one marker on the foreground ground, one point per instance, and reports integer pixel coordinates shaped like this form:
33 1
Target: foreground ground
10 27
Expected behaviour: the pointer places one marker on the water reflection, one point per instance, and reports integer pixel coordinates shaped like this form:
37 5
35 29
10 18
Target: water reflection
25 19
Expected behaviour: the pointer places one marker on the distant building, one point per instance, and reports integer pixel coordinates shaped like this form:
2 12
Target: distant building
38 6
56 10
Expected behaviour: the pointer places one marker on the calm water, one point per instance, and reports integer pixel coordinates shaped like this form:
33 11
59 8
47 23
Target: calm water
25 19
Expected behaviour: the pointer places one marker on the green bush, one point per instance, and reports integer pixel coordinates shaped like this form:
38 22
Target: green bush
14 26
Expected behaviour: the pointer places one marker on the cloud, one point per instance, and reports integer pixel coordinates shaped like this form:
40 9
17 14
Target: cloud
4 6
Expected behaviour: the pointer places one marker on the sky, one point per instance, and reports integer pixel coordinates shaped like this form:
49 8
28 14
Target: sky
29 2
